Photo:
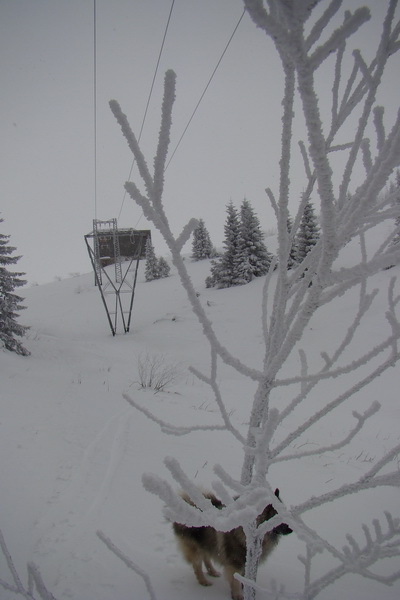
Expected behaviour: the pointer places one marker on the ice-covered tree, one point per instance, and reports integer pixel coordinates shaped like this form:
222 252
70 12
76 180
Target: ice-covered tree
151 270
10 302
213 278
155 268
163 268
233 267
293 252
253 247
308 233
393 193
307 37
201 244
396 193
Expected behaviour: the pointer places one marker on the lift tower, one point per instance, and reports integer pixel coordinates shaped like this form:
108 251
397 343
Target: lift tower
115 255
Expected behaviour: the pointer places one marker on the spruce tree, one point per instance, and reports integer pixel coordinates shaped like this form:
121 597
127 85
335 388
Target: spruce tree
151 269
163 268
293 254
396 239
308 234
155 268
10 330
201 246
395 187
232 266
214 277
255 253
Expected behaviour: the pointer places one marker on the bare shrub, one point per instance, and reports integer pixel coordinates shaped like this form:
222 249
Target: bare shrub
155 372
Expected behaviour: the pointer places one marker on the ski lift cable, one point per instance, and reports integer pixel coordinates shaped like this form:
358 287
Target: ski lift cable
149 97
95 106
201 98
205 89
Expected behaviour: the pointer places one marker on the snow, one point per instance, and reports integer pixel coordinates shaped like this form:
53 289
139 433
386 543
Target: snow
73 451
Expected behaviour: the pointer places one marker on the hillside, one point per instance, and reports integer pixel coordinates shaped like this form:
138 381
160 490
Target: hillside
73 451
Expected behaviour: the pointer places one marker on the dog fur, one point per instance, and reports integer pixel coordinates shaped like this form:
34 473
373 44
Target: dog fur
203 544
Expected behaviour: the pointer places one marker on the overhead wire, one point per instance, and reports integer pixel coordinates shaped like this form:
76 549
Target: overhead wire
201 97
205 89
95 106
149 97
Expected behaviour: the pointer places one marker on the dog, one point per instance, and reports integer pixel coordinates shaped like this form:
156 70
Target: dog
203 544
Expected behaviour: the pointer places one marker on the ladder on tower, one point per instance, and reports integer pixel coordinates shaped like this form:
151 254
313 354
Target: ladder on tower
110 228
97 257
117 253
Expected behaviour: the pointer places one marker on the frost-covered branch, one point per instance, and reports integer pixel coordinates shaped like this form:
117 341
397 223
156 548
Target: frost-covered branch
369 480
212 382
334 404
379 126
241 511
358 559
322 22
348 368
129 563
373 82
35 580
168 427
339 36
361 420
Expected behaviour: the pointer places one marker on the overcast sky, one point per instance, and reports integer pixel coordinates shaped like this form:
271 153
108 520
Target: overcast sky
230 150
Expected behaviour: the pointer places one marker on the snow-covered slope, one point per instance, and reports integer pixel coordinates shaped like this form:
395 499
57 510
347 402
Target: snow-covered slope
72 451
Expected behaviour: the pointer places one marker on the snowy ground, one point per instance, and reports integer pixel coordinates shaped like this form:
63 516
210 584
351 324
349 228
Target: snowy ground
72 451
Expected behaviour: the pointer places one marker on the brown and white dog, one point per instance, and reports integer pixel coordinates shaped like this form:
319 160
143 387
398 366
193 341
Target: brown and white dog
203 544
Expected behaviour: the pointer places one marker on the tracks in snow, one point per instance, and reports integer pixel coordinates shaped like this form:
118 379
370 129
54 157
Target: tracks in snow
75 510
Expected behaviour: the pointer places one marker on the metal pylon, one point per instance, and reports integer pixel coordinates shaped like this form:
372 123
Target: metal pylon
112 290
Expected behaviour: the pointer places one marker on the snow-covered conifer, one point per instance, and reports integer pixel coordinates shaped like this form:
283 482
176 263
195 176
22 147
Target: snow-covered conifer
394 194
202 246
308 234
163 268
214 277
232 267
10 305
396 239
253 247
152 267
293 254
156 268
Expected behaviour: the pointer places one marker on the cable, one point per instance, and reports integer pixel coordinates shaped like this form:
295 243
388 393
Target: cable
201 97
205 89
95 105
149 97
195 108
